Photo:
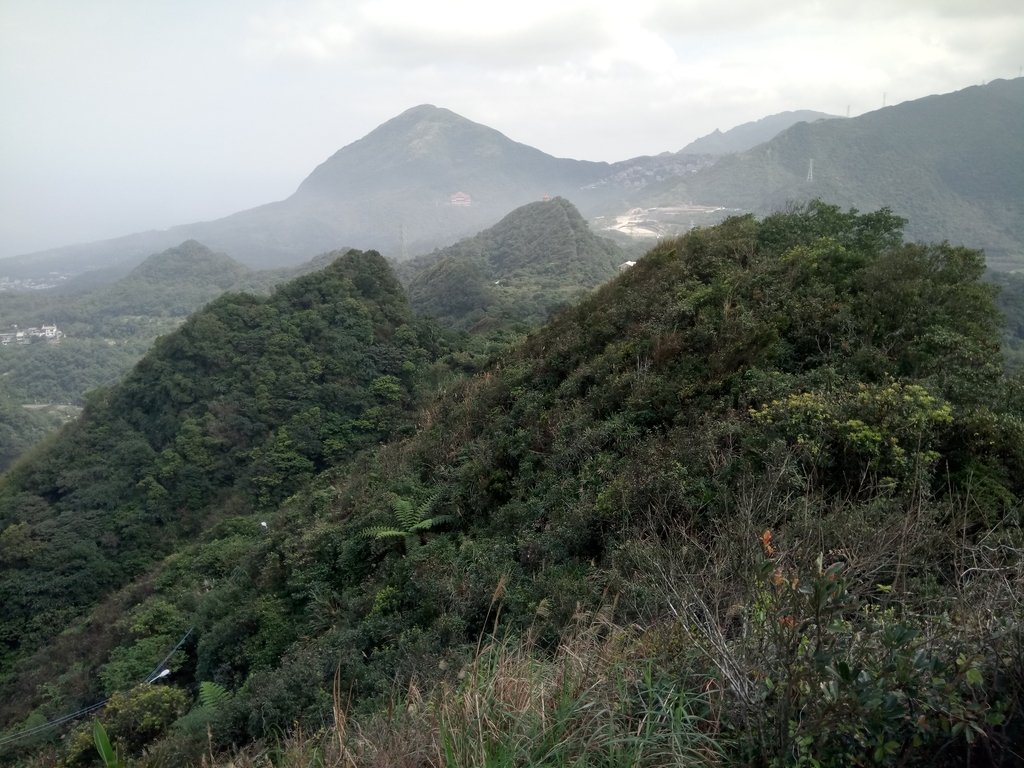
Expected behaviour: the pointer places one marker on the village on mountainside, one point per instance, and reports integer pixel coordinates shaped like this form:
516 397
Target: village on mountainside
16 335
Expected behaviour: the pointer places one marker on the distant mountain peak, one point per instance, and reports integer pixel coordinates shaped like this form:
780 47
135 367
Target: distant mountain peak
423 141
190 262
424 114
749 135
541 255
423 111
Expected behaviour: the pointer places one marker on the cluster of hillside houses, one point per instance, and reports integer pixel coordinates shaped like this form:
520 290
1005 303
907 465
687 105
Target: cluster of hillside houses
18 335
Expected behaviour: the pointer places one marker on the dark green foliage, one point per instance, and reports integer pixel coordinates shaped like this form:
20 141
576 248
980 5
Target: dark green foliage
63 373
21 427
107 329
238 408
535 261
811 356
809 381
132 720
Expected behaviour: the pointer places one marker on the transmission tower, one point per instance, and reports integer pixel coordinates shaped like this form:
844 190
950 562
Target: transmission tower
810 171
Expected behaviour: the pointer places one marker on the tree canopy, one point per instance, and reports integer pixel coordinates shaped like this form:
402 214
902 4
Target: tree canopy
775 469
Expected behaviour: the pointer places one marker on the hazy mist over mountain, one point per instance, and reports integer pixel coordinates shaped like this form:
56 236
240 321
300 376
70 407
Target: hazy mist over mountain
123 119
428 177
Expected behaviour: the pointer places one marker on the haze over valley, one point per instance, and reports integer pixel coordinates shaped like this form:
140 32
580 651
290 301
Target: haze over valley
428 177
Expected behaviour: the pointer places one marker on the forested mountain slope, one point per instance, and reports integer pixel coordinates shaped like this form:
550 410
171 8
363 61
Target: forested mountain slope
1011 303
233 411
953 164
770 478
546 251
538 258
106 328
172 283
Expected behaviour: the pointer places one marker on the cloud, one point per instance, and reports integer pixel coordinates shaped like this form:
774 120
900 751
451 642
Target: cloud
394 35
272 37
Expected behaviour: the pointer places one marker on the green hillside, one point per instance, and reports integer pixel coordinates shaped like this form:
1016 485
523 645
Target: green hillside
21 428
107 329
548 252
953 165
234 411
537 259
1011 303
755 502
109 326
173 283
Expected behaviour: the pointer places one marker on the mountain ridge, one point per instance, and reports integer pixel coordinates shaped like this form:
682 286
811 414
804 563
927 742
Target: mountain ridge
952 164
760 464
428 177
540 256
748 135
390 190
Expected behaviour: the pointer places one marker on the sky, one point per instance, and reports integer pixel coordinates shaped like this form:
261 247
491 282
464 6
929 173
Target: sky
118 116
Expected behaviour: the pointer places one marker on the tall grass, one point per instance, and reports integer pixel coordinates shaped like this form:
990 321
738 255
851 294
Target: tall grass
595 700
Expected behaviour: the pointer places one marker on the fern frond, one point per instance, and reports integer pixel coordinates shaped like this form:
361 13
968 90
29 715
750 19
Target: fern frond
427 505
406 514
431 522
212 696
382 532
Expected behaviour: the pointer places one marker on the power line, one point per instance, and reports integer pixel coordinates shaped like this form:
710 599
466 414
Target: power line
11 738
151 678
159 668
155 675
159 671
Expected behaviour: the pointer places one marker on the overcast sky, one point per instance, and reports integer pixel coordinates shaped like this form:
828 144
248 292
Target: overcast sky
123 115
